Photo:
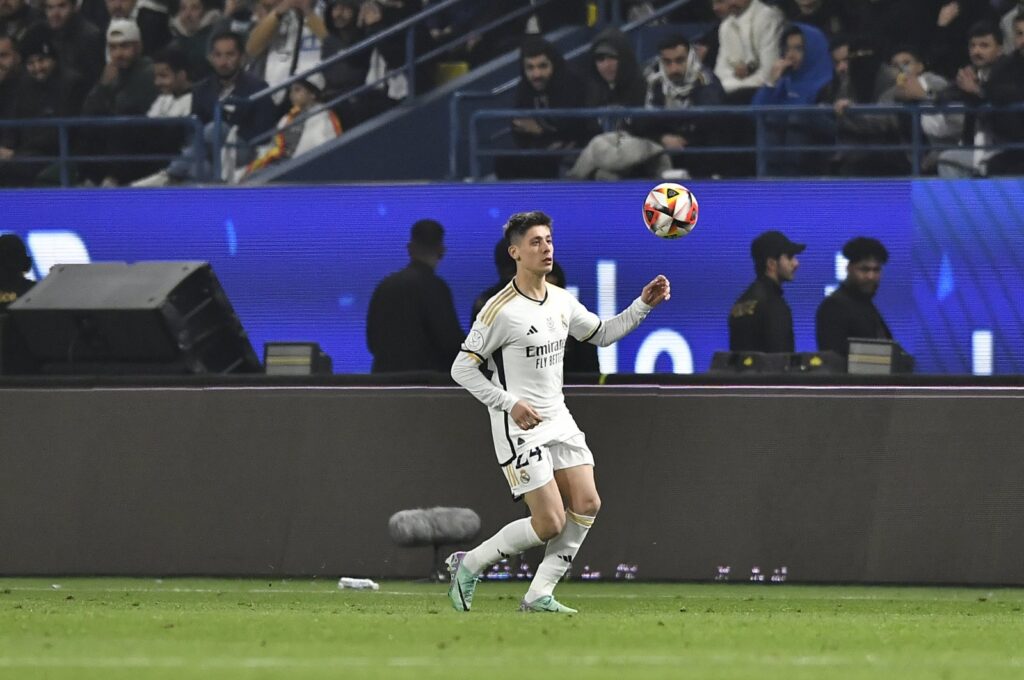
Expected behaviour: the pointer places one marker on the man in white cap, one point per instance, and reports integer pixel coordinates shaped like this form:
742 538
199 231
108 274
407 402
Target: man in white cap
125 88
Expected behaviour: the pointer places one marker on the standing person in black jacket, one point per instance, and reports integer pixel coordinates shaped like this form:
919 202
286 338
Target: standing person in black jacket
760 320
849 312
411 324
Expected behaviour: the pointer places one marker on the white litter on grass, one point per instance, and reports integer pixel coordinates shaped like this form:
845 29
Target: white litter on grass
357 583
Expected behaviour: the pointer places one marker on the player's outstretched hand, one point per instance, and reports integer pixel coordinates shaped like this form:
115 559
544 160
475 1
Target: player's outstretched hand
657 291
524 416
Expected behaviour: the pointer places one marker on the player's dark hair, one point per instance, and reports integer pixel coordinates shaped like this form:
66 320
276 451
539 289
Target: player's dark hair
672 41
225 34
173 57
983 28
520 223
503 262
863 248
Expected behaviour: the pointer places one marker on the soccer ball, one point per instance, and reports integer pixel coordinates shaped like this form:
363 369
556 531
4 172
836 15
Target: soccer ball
670 210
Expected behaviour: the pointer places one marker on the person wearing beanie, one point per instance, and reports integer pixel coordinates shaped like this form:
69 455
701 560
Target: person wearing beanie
850 312
49 90
303 128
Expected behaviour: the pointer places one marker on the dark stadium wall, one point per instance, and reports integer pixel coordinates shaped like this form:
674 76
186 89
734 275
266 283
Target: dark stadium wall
837 484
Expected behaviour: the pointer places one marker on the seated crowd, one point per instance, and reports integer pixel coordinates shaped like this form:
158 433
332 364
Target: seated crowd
174 58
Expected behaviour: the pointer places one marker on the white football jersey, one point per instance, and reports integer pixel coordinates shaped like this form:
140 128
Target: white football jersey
522 341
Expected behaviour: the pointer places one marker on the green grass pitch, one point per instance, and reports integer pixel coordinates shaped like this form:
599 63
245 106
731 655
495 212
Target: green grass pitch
224 628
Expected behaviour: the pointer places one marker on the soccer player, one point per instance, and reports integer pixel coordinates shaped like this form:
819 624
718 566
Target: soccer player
519 336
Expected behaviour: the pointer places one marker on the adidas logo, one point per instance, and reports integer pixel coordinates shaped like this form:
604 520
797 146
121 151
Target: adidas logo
533 329
566 558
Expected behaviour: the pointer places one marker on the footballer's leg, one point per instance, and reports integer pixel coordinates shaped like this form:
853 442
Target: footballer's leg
579 489
547 516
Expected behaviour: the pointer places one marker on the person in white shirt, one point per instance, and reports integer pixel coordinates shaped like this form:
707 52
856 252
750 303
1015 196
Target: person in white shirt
520 336
748 47
287 39
170 75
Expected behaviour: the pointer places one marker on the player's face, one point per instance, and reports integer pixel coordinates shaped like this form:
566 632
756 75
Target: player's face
538 71
535 252
865 275
985 50
787 267
672 63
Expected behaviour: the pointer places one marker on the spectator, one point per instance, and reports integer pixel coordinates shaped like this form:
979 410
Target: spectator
192 27
824 15
411 323
854 127
242 121
678 80
914 84
946 46
11 76
797 79
295 139
1006 86
877 27
385 93
546 82
849 312
506 268
342 33
16 17
171 78
287 39
579 357
50 91
984 51
706 44
151 16
1006 23
761 321
125 88
748 46
77 40
615 78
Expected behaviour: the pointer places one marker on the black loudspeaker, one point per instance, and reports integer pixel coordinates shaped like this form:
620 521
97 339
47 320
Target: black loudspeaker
777 362
148 317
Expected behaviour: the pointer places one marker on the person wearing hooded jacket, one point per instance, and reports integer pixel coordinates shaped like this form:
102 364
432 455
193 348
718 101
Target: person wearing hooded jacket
615 78
803 69
546 82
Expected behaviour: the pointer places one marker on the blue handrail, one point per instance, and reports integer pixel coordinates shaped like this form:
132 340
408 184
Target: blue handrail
761 147
64 155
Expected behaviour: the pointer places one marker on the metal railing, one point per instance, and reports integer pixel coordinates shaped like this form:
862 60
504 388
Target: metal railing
612 12
65 156
764 116
408 27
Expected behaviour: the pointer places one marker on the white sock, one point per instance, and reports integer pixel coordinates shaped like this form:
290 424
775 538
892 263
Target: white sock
514 538
559 555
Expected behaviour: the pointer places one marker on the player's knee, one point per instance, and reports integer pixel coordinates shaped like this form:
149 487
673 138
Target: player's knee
589 505
548 525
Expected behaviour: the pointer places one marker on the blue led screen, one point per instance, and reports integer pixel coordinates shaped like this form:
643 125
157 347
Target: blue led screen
300 263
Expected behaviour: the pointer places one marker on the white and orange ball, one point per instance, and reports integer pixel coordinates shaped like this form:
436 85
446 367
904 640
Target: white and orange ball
670 210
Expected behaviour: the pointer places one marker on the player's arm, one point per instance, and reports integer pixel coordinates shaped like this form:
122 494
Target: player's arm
608 331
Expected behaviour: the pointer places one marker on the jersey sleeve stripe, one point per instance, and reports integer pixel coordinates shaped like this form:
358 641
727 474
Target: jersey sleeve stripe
593 332
491 313
476 356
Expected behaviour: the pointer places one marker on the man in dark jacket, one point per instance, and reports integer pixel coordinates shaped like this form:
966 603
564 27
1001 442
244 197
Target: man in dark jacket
50 91
849 312
77 40
411 324
125 88
546 82
761 321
